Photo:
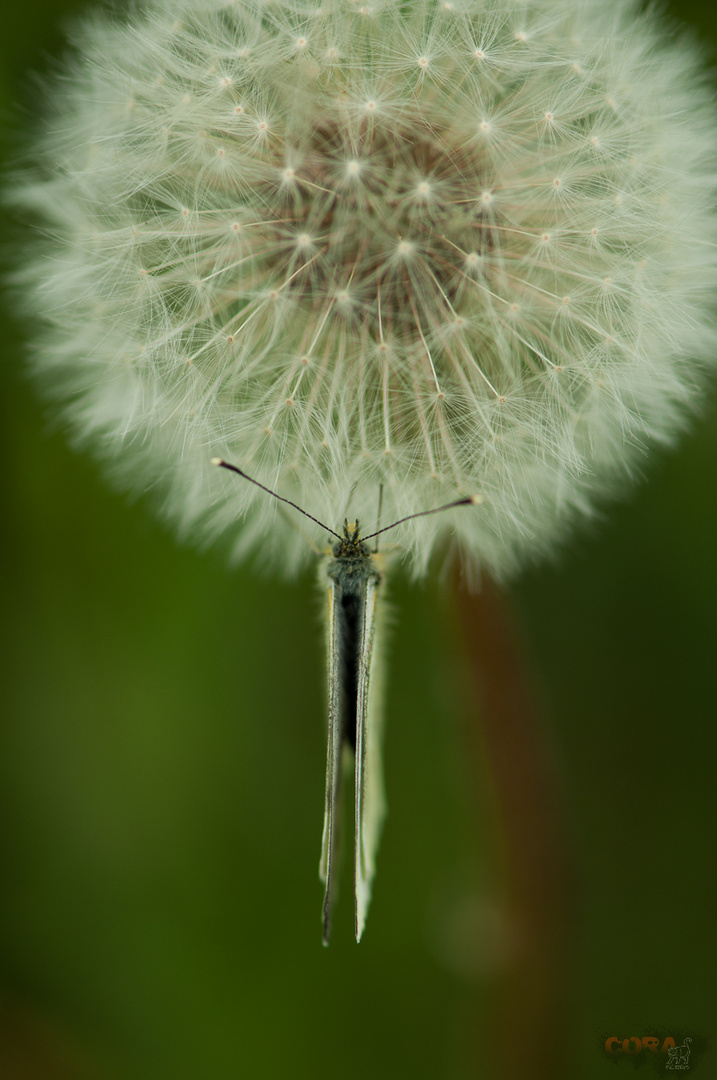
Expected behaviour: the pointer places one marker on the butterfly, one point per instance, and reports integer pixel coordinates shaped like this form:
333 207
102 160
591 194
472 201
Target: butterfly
353 578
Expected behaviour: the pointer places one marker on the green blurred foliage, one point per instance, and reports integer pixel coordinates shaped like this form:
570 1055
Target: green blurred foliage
161 778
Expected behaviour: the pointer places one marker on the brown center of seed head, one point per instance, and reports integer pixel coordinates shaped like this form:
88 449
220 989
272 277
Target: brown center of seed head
385 221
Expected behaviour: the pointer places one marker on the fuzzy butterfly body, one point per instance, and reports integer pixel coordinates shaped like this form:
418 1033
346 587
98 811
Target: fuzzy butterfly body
354 721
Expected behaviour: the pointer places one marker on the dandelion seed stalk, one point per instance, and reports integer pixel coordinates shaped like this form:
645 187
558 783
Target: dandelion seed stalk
506 736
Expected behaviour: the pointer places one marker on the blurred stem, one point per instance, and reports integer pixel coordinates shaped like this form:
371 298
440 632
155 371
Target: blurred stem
507 740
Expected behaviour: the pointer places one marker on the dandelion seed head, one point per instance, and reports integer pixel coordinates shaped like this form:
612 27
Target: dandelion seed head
489 277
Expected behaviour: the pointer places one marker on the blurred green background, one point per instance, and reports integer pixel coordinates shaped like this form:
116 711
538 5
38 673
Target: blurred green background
162 770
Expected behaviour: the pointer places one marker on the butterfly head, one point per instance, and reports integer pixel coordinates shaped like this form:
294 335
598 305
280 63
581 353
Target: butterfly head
350 545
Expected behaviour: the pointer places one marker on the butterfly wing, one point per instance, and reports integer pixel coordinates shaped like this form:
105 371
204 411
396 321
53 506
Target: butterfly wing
329 841
370 804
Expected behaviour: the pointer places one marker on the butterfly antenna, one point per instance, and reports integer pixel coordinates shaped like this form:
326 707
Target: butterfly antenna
233 468
470 500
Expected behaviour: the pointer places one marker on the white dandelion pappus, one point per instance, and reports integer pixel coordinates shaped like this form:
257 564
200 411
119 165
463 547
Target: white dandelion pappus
441 249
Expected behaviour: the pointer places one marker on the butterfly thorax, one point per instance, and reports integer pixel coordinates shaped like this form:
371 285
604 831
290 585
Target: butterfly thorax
353 563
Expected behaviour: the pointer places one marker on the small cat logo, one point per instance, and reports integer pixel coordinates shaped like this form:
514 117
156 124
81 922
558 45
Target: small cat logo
678 1057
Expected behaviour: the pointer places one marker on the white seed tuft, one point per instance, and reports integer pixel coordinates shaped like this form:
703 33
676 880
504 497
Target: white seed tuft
421 245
